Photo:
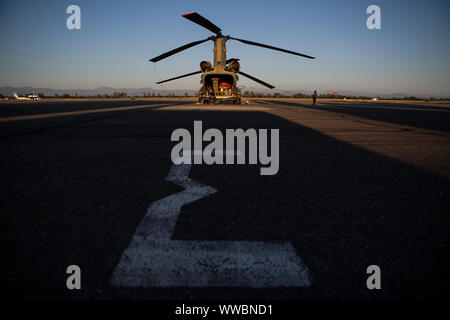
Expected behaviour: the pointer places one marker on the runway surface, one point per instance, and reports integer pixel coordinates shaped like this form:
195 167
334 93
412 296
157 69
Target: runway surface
359 184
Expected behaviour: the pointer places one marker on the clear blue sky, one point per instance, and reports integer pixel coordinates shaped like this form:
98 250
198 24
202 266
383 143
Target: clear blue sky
410 54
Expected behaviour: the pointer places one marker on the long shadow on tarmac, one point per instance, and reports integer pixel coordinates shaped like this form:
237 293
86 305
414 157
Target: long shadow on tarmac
79 200
26 127
428 117
20 109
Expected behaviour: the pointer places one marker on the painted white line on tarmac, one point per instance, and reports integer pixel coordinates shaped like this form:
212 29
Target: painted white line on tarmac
153 259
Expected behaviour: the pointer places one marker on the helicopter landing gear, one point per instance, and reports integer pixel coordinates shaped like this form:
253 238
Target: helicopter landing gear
212 100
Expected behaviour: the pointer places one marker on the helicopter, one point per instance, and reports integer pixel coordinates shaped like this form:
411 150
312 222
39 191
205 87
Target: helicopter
219 80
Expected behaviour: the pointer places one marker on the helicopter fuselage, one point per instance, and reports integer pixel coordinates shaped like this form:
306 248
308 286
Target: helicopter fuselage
220 83
219 86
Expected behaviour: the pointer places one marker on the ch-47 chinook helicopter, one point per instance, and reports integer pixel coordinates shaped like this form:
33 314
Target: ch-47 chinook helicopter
219 81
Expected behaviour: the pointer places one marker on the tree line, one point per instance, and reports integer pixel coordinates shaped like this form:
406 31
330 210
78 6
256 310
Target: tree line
245 94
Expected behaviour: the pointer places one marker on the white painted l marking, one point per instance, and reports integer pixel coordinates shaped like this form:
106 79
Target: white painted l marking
153 259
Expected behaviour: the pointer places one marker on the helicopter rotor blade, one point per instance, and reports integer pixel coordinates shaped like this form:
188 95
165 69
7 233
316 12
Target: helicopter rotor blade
184 75
272 47
205 23
256 79
231 60
172 52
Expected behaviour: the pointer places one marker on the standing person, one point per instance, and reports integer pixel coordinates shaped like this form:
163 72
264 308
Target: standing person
314 97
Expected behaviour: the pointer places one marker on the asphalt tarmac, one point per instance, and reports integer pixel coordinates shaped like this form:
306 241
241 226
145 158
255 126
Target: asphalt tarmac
359 184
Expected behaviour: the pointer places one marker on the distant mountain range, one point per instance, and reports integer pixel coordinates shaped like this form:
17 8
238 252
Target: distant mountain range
7 91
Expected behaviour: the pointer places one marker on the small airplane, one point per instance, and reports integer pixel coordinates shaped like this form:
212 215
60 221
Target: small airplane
219 80
28 97
16 97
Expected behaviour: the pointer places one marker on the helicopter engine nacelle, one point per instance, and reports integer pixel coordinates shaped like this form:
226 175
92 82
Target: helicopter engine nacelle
234 66
205 66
